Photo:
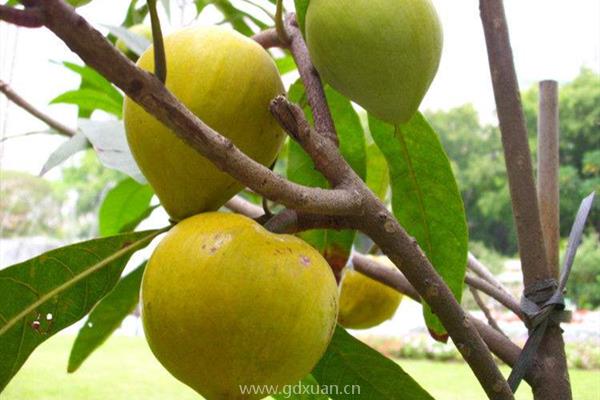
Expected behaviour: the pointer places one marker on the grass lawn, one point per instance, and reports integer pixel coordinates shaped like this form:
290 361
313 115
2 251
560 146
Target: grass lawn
124 369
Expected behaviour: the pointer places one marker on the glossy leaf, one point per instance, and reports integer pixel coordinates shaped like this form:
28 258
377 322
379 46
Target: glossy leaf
106 317
110 143
349 364
334 245
89 100
301 7
125 203
426 200
46 294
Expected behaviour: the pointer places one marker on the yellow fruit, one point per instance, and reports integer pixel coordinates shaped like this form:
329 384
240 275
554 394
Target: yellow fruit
227 80
227 303
142 30
364 302
382 54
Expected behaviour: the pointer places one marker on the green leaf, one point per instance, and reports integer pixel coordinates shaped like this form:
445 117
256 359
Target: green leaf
350 364
301 7
307 389
234 16
125 203
426 200
285 64
90 78
46 294
106 317
334 245
378 177
90 100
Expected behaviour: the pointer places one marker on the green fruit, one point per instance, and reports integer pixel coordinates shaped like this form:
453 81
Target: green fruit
228 81
142 30
226 303
382 54
364 302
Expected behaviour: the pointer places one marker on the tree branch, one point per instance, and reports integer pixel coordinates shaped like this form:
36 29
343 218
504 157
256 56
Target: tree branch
499 295
145 89
311 79
239 205
404 251
268 38
548 167
486 311
514 140
500 345
537 274
483 272
21 102
30 18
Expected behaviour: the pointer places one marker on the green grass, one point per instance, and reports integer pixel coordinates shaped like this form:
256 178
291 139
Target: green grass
124 369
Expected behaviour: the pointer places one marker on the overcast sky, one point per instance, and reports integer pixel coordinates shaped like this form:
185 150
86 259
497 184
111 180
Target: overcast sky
552 39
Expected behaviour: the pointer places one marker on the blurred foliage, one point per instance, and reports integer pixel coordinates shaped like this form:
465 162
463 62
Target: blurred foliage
86 182
584 284
478 161
29 206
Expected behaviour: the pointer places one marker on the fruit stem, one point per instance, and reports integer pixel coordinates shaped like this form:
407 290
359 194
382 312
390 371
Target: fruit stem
160 62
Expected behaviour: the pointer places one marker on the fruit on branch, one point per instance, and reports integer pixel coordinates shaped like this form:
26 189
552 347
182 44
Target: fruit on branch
227 303
228 81
382 54
364 302
142 30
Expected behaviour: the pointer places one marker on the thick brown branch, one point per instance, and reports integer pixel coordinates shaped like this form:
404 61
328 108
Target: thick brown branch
548 166
30 18
145 89
21 102
514 139
404 251
555 381
312 81
499 344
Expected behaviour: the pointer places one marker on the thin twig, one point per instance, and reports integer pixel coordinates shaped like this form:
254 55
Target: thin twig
30 18
311 79
548 166
502 297
484 272
486 311
268 38
500 345
21 102
516 145
239 205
